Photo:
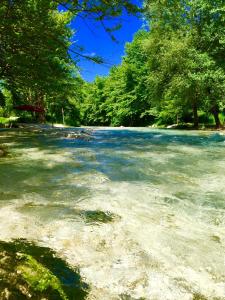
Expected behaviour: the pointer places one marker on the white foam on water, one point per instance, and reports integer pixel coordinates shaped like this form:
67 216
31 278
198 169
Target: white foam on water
151 251
161 245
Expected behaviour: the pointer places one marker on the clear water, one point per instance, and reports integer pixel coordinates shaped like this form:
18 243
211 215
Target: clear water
165 191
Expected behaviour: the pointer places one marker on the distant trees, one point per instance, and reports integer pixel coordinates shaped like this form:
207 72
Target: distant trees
174 70
121 98
190 36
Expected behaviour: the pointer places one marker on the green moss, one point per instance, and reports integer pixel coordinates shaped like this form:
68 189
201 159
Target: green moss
28 271
216 238
38 277
128 297
97 216
198 296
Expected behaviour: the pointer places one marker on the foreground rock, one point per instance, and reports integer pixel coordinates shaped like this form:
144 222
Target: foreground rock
31 272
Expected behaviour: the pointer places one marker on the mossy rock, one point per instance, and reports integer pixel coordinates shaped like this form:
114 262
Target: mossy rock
128 297
97 216
216 239
31 272
198 296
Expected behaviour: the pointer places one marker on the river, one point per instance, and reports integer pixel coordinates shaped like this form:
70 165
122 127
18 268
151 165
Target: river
140 211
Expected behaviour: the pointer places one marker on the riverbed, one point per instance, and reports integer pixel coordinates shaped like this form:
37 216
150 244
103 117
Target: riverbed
140 212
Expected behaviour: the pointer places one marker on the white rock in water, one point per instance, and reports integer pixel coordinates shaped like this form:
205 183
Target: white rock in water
72 136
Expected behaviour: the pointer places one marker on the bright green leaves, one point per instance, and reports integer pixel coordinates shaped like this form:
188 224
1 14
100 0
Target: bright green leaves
169 73
120 99
35 64
186 55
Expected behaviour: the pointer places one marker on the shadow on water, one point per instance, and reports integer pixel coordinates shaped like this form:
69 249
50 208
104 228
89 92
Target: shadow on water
53 138
30 271
158 157
112 139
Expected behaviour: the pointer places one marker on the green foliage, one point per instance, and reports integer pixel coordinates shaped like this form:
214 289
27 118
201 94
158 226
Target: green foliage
92 107
122 98
168 74
7 105
36 64
185 48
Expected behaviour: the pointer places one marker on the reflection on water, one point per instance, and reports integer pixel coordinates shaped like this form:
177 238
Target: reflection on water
139 211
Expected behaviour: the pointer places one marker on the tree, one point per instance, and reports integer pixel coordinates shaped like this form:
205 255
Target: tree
36 51
92 106
187 44
35 63
120 99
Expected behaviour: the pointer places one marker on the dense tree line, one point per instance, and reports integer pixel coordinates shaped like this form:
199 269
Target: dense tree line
172 73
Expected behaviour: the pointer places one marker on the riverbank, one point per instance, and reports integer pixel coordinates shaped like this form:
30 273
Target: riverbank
188 126
48 126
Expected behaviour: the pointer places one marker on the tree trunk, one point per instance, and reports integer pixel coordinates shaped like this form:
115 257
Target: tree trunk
40 104
215 112
41 117
195 115
63 116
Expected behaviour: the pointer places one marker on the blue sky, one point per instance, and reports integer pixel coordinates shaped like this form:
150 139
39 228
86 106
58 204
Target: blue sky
92 36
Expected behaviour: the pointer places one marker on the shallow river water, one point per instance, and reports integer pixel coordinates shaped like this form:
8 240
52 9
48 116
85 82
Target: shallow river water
141 212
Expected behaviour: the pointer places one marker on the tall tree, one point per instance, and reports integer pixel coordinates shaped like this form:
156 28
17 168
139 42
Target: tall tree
199 26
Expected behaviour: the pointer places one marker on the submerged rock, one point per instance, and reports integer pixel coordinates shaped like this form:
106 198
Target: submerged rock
216 238
98 216
80 135
3 151
31 272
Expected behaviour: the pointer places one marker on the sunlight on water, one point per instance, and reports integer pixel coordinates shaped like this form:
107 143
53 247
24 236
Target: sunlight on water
141 212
